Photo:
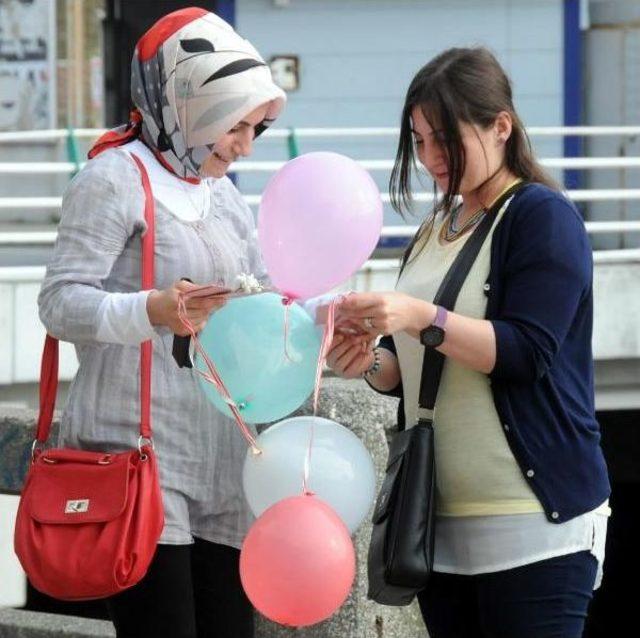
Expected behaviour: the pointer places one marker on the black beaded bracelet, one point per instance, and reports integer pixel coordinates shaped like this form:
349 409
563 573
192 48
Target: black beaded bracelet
376 365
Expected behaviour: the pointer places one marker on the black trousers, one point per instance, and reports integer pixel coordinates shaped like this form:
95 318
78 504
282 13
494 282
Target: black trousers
547 599
190 591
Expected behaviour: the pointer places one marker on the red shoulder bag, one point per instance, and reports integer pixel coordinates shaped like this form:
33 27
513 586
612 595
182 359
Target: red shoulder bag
88 522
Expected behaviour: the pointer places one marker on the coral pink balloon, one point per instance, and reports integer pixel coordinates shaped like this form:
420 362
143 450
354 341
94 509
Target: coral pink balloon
297 563
320 219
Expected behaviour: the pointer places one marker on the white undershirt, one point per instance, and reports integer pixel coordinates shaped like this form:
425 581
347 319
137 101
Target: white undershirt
483 544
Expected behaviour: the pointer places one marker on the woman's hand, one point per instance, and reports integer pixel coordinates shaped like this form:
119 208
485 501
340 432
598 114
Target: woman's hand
471 342
162 308
350 356
387 312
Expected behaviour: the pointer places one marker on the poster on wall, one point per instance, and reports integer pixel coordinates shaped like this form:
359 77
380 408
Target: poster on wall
27 65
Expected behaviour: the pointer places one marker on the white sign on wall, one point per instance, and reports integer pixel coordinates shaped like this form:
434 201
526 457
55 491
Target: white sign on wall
27 64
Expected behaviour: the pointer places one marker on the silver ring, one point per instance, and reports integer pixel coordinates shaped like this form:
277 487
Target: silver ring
368 323
145 440
34 449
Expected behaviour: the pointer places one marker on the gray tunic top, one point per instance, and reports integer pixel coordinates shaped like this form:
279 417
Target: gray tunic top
97 253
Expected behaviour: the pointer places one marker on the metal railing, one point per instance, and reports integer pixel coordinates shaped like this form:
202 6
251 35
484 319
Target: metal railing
582 195
17 203
44 238
55 135
245 166
17 274
19 285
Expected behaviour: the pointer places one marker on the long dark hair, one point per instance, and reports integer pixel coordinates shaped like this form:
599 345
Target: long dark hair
459 85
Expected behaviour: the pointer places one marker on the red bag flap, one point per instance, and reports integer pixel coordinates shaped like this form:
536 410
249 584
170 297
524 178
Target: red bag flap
72 486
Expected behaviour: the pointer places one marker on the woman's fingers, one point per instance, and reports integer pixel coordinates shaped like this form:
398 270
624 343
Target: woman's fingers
184 286
360 302
198 317
341 345
349 327
357 366
347 357
336 340
337 353
205 303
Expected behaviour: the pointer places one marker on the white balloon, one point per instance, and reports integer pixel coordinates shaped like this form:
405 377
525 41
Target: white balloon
341 470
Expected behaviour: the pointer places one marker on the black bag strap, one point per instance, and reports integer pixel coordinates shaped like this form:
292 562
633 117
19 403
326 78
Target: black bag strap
447 296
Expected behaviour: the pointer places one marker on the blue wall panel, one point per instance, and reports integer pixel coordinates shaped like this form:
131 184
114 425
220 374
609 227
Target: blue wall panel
357 58
572 77
226 9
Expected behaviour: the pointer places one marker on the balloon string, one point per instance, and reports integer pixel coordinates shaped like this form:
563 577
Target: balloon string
307 464
327 338
213 376
286 302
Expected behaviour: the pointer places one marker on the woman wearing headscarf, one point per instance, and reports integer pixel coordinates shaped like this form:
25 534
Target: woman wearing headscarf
201 94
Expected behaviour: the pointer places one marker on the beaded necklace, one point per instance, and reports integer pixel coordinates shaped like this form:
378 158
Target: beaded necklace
450 231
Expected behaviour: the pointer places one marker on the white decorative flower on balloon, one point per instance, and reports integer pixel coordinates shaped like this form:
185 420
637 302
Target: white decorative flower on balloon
248 283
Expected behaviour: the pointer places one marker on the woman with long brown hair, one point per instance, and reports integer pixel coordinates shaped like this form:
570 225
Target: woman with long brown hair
522 487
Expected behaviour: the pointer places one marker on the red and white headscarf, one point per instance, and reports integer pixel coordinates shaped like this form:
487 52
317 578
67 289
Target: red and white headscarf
193 78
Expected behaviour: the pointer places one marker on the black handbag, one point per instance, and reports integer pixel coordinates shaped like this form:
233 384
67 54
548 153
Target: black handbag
402 540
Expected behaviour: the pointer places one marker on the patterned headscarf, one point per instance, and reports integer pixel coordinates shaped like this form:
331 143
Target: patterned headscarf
193 78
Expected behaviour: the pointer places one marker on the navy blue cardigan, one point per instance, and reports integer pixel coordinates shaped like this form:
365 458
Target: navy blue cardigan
540 302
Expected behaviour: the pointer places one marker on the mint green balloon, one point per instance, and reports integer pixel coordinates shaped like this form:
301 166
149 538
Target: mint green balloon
245 340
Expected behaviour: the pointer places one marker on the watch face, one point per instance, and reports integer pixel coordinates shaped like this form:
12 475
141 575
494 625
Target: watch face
432 336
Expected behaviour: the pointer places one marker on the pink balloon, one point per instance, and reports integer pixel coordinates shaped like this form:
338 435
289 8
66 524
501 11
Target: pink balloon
319 221
297 563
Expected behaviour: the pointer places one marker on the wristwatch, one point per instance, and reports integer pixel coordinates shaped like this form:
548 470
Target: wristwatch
433 336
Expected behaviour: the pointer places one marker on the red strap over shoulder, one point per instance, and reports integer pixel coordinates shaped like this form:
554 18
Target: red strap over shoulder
49 365
148 276
48 387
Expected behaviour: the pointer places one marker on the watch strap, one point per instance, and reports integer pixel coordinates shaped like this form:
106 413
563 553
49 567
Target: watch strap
441 317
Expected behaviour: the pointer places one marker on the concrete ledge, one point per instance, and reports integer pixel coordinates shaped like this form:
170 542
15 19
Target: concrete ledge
17 431
30 624
351 403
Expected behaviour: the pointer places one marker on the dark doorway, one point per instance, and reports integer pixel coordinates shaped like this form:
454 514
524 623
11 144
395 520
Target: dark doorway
125 22
615 603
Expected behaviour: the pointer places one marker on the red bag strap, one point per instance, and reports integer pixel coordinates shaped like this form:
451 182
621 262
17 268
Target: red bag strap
49 364
148 276
48 387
